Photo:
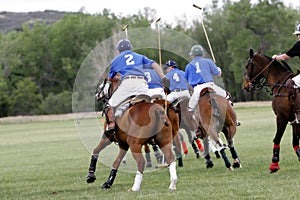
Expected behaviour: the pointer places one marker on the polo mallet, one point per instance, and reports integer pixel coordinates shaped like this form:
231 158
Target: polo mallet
159 52
211 51
158 37
125 28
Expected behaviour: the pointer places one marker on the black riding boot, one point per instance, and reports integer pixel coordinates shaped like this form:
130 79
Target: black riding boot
110 117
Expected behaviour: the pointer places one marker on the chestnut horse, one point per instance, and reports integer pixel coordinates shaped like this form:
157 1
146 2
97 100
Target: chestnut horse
140 124
215 114
263 71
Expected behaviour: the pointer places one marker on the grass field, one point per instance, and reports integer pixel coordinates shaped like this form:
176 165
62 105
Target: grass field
47 160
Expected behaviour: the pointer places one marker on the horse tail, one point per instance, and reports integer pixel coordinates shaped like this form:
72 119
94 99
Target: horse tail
214 105
160 115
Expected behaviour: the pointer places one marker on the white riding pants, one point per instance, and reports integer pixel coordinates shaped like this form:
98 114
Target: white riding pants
197 90
127 88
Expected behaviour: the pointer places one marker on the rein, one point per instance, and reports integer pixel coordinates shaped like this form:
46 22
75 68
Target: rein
268 65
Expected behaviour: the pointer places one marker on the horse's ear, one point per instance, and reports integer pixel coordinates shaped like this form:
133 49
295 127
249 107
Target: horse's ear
251 53
259 51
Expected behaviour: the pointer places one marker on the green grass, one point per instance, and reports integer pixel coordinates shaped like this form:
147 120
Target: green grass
47 160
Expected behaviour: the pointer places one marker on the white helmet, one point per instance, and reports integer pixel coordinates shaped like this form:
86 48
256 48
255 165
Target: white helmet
297 31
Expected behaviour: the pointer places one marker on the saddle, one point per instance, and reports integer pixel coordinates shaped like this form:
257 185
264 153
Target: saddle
130 101
206 91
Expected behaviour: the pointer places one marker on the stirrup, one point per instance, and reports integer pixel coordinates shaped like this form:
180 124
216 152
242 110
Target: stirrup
110 131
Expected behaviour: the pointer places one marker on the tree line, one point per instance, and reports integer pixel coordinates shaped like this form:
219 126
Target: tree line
39 63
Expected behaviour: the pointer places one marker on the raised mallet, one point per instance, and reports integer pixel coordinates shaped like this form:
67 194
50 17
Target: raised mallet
206 36
125 28
158 37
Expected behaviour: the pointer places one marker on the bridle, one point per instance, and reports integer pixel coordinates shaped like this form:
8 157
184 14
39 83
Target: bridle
263 83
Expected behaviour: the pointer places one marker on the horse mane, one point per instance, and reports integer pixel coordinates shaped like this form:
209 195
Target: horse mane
282 64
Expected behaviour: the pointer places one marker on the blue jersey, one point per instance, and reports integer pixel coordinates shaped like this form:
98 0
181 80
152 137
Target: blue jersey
129 63
177 80
153 79
201 70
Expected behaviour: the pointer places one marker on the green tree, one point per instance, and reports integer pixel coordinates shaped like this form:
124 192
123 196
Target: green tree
57 104
25 99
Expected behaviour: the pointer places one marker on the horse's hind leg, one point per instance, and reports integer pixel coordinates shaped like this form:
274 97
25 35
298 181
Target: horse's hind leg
225 158
114 170
177 149
236 160
167 150
102 144
147 155
140 161
209 163
229 137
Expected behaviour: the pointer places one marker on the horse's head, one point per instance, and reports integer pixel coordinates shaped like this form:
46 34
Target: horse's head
106 88
254 70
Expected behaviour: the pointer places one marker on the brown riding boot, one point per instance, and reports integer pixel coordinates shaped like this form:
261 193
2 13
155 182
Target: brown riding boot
297 106
295 98
110 117
290 88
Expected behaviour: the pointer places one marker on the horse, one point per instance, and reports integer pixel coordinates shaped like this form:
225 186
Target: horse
142 123
187 124
263 71
215 114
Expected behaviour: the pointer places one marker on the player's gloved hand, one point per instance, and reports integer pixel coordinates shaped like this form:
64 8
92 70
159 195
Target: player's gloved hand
166 82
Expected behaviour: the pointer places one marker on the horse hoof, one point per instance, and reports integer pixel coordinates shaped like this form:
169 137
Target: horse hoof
149 164
230 169
274 167
172 185
236 163
106 186
209 164
90 178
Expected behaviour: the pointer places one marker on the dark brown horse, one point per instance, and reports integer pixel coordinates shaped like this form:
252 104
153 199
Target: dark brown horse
262 71
187 124
140 124
215 114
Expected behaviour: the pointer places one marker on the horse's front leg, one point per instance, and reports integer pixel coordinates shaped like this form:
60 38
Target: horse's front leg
91 177
114 169
281 125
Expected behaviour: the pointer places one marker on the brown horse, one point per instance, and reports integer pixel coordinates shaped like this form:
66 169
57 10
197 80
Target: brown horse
140 124
262 71
215 114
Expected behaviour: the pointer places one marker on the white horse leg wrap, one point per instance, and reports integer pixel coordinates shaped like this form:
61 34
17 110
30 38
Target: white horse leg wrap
172 170
137 181
173 176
